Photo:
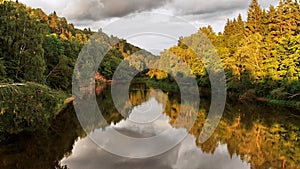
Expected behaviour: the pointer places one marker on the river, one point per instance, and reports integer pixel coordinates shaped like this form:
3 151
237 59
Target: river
249 136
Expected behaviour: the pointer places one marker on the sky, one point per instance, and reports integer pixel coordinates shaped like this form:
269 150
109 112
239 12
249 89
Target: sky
97 14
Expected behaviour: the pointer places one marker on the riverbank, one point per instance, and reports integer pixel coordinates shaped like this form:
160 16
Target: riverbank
31 106
250 125
248 96
28 107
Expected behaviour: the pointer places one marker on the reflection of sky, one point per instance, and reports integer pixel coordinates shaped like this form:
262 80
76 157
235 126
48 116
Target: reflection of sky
86 154
146 112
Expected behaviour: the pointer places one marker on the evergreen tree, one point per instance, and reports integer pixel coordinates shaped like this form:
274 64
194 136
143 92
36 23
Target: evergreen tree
254 19
288 52
287 20
292 9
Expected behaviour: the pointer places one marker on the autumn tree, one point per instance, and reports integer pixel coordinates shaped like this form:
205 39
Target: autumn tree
254 19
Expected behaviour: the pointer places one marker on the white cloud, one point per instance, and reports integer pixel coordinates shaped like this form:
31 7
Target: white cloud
48 6
101 9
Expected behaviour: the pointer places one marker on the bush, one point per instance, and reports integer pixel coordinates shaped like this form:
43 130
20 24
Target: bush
27 107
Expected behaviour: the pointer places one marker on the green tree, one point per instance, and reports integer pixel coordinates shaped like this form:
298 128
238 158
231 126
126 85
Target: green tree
21 36
233 33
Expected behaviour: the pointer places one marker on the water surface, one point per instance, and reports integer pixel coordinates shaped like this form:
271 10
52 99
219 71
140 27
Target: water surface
250 135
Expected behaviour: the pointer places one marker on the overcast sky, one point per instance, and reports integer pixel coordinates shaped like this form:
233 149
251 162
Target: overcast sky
100 13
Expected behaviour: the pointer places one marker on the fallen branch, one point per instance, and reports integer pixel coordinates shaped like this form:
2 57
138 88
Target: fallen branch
14 84
294 95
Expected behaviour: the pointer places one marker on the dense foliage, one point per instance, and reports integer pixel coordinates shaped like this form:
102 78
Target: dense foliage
27 107
36 47
261 54
37 57
36 51
43 48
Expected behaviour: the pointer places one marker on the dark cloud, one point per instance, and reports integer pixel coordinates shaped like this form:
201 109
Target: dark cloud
78 10
100 13
196 7
101 9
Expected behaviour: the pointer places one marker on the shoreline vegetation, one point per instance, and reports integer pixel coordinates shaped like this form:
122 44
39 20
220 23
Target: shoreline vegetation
274 132
248 96
261 58
28 107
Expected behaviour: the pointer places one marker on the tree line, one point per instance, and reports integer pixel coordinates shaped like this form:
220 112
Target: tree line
37 57
42 48
260 55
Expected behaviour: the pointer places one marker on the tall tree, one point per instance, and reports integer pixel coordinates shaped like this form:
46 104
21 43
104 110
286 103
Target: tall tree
53 19
21 39
293 17
250 58
254 20
288 51
287 20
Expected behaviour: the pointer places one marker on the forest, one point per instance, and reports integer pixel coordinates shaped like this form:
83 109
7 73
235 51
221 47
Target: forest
37 57
260 55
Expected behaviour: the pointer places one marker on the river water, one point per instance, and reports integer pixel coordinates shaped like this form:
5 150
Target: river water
249 136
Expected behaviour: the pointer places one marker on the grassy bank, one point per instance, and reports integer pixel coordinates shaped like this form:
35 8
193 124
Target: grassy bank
285 103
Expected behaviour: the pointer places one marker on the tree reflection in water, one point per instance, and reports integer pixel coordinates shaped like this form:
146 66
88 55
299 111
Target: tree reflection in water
251 135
